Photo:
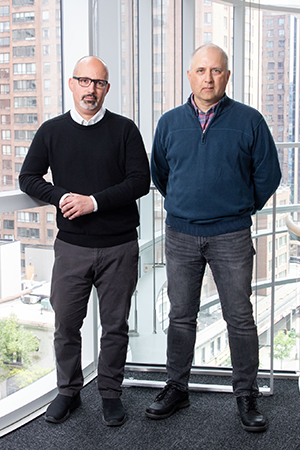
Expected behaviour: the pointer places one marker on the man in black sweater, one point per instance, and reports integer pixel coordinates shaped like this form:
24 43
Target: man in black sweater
99 169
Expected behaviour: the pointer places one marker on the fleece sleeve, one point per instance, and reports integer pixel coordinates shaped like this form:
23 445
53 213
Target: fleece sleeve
159 164
266 173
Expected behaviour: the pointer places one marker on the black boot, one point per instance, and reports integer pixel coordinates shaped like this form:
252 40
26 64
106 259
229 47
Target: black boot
252 419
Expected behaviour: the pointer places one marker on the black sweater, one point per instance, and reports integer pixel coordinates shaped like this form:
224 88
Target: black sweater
106 160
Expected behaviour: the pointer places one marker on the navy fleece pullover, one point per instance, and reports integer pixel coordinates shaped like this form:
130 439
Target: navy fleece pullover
213 181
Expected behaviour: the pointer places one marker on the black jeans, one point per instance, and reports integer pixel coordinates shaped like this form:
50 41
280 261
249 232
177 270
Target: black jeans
230 257
113 271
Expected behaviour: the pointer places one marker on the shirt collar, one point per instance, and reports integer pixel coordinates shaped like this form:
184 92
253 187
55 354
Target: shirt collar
198 111
95 119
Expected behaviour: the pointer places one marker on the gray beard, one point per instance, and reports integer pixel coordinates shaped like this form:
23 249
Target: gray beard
88 105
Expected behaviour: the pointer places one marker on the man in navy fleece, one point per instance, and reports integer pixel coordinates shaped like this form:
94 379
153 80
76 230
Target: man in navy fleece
215 162
99 169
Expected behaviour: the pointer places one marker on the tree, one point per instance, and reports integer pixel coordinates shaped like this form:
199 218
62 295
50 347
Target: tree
283 344
16 346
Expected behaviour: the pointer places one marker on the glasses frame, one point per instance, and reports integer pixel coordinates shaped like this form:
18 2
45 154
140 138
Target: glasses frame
91 80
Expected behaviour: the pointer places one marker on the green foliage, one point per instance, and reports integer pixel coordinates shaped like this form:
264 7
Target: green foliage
16 346
283 344
26 377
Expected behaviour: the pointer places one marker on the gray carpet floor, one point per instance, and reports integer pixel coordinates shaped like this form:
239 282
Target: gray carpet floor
210 423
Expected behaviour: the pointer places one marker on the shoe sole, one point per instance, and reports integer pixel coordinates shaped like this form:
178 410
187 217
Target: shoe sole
254 429
114 423
54 420
154 416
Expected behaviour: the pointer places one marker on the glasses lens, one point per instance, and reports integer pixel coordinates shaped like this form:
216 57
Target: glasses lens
100 84
84 82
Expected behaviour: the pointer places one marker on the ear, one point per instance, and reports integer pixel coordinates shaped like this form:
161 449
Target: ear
107 88
71 83
228 75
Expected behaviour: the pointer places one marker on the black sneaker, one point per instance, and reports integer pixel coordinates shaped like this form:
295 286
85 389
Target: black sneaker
251 418
167 402
61 407
113 412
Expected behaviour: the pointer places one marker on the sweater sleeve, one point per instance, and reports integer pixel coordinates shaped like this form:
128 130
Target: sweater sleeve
35 167
136 182
266 173
159 164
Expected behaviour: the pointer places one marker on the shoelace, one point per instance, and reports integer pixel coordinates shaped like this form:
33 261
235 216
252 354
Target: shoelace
165 393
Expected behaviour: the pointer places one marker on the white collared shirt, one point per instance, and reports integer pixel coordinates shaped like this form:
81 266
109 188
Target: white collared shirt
79 119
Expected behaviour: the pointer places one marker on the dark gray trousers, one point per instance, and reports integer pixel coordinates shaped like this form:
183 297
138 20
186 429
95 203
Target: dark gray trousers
113 271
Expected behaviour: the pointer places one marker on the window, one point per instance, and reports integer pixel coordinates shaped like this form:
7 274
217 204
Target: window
270 33
25 102
6 149
45 16
281 43
25 216
269 108
50 217
207 38
270 98
5 119
7 164
24 51
45 33
4 58
26 118
24 85
8 224
6 134
270 44
24 69
22 2
24 135
50 234
30 233
281 32
18 167
270 87
4 42
271 65
47 85
23 17
46 50
21 152
7 180
271 54
270 75
207 18
280 86
23 34
4 88
4 103
46 67
4 26
269 22
281 21
4 11
47 101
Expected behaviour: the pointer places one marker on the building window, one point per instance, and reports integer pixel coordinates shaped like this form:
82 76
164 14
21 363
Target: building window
45 16
21 152
30 233
271 65
6 135
23 17
4 103
24 51
5 119
281 21
4 88
6 149
4 26
207 18
8 224
207 38
25 216
7 164
271 54
4 58
50 217
47 85
24 69
24 85
25 102
47 101
4 74
4 42
26 118
23 34
46 50
18 167
7 180
4 11
24 135
270 44
45 33
22 2
50 234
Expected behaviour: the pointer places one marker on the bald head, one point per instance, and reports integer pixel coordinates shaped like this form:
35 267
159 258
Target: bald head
86 60
208 46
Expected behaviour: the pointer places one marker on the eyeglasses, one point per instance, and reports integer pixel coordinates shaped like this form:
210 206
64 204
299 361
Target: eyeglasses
85 82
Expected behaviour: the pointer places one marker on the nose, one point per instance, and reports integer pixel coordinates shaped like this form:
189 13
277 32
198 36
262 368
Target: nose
208 76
